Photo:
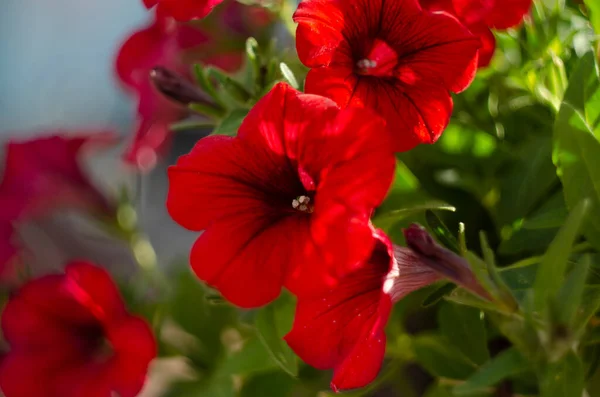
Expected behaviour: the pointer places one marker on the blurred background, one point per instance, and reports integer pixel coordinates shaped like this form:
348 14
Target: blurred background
58 73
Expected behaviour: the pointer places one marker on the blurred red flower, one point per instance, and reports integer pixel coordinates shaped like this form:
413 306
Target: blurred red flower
71 336
161 43
344 328
287 201
481 15
390 56
45 173
176 46
183 10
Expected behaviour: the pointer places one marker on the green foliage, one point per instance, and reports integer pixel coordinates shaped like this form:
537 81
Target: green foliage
273 322
512 187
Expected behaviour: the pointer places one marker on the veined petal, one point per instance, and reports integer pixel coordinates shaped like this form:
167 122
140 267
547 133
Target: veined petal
343 329
244 256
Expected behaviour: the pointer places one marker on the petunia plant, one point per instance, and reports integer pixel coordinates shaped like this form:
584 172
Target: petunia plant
384 198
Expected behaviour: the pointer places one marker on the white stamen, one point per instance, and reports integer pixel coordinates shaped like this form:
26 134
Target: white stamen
366 64
301 203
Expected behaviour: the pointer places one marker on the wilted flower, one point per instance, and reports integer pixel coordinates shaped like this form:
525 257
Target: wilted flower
287 201
390 56
71 336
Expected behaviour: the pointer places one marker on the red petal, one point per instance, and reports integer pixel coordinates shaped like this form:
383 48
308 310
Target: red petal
43 304
93 288
26 375
488 44
244 256
135 348
494 13
219 178
414 116
344 328
185 10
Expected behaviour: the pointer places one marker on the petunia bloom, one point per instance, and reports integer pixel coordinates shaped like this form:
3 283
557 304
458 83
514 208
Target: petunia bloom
43 174
183 10
160 44
344 328
71 336
390 56
482 15
285 203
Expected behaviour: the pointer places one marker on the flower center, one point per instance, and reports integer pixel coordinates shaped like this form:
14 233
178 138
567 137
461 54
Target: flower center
303 204
379 60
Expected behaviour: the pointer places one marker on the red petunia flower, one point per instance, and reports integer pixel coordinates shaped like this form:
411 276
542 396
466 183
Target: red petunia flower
287 201
71 336
45 173
183 10
159 44
344 328
482 15
390 56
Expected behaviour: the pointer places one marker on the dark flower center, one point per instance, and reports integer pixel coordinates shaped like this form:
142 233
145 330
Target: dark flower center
380 60
94 343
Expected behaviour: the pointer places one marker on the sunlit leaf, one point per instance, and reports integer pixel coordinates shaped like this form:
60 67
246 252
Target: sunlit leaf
576 144
550 274
231 123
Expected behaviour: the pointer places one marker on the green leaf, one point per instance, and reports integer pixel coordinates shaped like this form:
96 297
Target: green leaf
576 144
441 358
190 310
204 82
590 304
551 214
564 378
464 327
236 90
385 221
438 294
550 274
252 358
230 125
571 292
273 322
441 231
508 363
594 10
268 384
287 74
529 179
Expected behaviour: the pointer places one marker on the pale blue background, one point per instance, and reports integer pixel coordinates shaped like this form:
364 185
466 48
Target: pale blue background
56 63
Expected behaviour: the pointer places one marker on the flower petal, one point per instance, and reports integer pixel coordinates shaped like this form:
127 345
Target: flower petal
416 115
343 329
222 176
244 255
135 348
93 288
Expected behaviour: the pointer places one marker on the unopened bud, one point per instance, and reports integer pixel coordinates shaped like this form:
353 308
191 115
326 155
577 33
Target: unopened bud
443 261
176 87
